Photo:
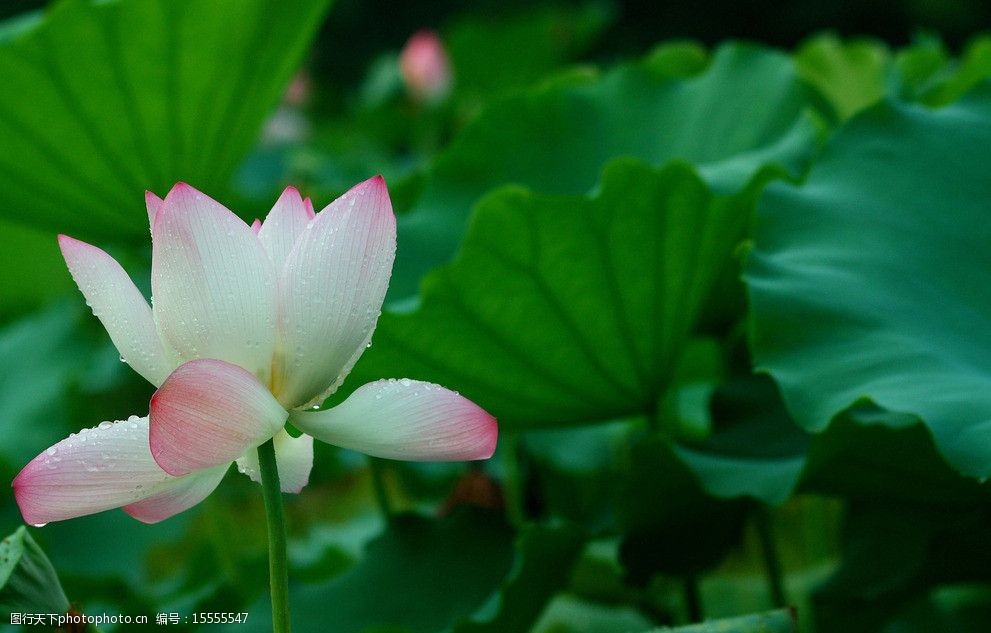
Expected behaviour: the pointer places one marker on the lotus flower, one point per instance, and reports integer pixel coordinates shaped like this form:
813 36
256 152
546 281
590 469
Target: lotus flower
250 326
425 68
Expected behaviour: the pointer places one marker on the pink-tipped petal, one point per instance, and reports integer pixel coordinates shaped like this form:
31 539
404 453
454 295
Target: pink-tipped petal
121 308
153 203
214 285
256 226
405 419
310 213
294 456
105 467
209 412
184 493
333 285
283 224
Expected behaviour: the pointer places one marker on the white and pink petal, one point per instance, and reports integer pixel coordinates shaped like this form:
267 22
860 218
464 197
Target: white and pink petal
214 286
294 457
332 288
105 467
283 225
153 204
181 493
121 308
405 419
208 412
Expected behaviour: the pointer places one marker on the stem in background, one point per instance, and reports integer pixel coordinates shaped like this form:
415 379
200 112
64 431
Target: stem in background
772 563
513 485
693 598
381 494
278 570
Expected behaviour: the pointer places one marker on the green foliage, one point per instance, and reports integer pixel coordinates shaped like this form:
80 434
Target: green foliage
871 251
188 88
680 512
465 573
570 246
782 621
28 582
744 111
585 302
495 54
850 74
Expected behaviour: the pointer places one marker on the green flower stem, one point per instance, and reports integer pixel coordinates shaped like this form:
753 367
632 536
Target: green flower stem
378 483
510 448
771 561
693 598
278 570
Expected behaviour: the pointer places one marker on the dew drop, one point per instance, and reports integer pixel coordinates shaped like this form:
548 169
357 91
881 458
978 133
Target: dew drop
38 525
105 425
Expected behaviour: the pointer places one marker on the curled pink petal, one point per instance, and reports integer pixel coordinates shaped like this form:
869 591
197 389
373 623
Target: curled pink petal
214 285
102 468
209 412
183 493
332 288
121 308
294 456
405 419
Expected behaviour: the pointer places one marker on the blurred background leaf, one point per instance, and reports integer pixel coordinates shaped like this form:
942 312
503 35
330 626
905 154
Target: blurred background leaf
743 111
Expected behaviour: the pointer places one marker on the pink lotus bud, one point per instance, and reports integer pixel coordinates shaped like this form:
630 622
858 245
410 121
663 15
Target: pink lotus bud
298 92
425 68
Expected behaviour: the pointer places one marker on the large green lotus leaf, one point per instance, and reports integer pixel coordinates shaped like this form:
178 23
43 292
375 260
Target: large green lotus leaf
103 100
870 453
745 110
871 280
564 310
27 255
